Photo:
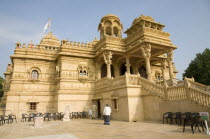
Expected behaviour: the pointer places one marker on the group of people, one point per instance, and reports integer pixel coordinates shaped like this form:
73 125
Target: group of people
106 113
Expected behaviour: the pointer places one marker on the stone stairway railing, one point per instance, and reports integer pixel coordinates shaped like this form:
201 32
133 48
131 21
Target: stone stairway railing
147 85
186 90
176 92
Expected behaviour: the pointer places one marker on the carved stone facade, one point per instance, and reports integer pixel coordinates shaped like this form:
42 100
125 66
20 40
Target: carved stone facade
52 75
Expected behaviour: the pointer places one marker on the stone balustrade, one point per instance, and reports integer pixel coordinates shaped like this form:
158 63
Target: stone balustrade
198 86
200 97
185 90
152 87
35 47
66 43
176 92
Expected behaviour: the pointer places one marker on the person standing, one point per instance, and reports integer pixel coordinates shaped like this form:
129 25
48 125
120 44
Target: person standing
106 114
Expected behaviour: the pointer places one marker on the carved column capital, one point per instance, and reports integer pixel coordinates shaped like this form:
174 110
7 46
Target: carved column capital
146 50
107 57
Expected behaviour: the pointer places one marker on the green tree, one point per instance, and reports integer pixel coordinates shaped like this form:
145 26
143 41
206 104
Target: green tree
1 86
199 68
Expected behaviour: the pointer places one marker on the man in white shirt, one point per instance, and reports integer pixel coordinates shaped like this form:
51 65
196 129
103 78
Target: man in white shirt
106 114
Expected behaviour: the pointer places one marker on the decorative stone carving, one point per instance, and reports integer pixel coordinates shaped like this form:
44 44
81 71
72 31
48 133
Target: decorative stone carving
146 52
107 58
83 73
170 64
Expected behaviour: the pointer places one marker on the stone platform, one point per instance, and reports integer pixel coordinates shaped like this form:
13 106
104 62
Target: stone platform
89 129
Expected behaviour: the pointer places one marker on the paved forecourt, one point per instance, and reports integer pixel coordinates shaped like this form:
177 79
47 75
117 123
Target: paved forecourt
89 129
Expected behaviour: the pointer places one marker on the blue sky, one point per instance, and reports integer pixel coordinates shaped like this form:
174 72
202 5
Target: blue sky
188 22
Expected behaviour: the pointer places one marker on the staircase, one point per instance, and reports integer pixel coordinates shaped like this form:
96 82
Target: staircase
187 89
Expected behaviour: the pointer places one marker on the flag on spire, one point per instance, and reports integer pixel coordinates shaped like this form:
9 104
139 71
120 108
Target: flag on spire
47 25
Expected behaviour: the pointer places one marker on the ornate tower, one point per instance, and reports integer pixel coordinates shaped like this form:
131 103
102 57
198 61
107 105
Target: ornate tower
110 26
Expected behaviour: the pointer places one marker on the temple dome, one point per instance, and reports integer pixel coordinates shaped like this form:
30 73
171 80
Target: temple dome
109 16
51 40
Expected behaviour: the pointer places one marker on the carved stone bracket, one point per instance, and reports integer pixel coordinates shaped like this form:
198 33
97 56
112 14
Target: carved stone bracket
107 58
146 52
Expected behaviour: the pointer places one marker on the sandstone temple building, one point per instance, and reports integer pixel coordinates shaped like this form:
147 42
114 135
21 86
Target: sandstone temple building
135 75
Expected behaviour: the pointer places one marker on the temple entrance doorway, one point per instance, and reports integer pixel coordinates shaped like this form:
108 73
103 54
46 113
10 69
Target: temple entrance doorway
142 72
99 108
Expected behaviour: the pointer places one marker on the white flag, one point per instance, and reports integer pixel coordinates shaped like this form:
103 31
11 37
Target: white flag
46 26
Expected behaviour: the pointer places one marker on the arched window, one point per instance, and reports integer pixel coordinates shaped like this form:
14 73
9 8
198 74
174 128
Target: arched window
112 71
84 73
116 31
34 74
108 31
80 73
122 69
103 71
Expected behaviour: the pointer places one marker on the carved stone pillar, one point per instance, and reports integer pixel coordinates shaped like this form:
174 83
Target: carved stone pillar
146 52
98 70
170 65
163 67
107 58
128 65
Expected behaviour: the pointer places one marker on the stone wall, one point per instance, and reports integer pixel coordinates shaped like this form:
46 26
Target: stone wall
154 107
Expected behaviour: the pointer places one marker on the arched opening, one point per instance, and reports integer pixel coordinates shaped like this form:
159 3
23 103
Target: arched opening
80 73
103 70
131 70
84 73
122 69
142 72
116 31
34 74
112 71
108 31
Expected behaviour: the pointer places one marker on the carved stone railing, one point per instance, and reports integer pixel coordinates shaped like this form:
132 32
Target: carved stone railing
147 85
36 47
75 44
198 96
108 84
176 92
182 91
102 83
198 86
152 87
